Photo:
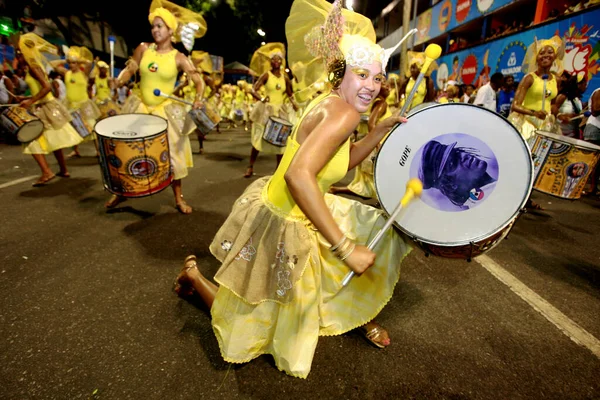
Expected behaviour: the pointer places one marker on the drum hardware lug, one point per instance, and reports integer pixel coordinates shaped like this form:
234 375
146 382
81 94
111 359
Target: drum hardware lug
472 244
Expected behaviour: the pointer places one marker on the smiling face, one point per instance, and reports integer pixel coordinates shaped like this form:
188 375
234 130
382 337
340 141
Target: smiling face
276 62
361 84
546 57
160 30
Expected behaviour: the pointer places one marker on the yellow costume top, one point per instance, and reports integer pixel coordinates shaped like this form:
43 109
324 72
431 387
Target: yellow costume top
240 95
337 167
391 99
102 88
77 85
533 97
227 97
275 88
157 71
207 91
35 87
419 95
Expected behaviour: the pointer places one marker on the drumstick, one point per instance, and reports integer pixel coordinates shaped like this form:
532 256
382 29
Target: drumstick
545 78
580 116
111 42
157 92
432 52
414 187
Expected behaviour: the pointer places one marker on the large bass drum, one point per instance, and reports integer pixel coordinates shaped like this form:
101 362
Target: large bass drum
476 171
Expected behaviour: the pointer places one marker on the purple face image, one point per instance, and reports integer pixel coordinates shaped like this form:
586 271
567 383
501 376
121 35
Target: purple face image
458 171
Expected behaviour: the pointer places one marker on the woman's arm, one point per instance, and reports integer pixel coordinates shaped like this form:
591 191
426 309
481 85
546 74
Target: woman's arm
259 83
289 90
430 95
329 128
131 66
38 74
378 110
184 64
59 66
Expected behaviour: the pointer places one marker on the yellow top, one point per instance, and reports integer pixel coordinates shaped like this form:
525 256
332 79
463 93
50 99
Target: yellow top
391 99
189 91
227 97
207 91
240 95
275 88
102 89
419 95
335 170
35 87
533 97
157 71
77 85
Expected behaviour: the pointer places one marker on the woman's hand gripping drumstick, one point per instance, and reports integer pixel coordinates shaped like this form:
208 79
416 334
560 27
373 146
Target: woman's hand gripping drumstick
157 92
414 187
432 53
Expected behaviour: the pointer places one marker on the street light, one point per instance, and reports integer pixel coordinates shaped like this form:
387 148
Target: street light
262 43
349 5
260 32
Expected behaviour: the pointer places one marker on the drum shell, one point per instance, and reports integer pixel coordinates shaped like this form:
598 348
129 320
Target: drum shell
109 108
136 166
80 124
238 115
277 131
23 125
205 118
555 158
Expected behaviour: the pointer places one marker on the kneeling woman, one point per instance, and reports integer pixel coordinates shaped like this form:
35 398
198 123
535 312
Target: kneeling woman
287 245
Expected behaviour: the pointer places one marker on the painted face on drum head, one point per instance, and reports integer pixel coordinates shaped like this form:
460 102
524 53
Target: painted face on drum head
361 85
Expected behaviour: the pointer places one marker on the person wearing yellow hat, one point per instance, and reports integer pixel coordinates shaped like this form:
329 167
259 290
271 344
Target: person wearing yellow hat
58 133
393 98
269 62
425 92
287 244
103 93
159 64
78 84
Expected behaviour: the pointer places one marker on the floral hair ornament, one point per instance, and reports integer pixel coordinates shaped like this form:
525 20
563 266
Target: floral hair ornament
185 24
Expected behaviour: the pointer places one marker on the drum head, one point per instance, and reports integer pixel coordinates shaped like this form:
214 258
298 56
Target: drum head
475 167
131 126
420 107
30 131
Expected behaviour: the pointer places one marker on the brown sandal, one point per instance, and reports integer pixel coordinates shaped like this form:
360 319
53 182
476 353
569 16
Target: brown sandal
43 180
249 172
182 288
374 334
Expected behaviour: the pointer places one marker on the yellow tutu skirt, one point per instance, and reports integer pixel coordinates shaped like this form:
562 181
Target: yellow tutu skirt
58 132
179 128
280 285
527 124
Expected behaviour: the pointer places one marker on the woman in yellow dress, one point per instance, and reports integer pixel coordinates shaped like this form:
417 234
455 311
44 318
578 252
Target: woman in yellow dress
287 245
238 108
393 98
103 92
531 108
77 82
269 62
425 91
58 132
159 64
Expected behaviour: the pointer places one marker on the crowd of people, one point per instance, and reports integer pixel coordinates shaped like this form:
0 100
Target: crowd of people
289 241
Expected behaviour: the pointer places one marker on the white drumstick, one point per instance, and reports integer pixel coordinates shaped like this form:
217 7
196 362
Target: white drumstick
414 187
111 42
545 78
157 92
432 52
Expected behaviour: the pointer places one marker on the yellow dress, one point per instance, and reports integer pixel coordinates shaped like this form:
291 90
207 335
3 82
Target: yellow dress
239 103
226 103
275 90
419 95
363 183
527 124
280 285
79 100
58 132
159 71
102 89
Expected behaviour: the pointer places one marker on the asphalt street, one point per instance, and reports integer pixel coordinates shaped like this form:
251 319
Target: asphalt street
88 311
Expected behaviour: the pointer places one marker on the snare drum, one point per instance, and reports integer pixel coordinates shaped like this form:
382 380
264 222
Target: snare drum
277 131
476 172
19 122
205 118
562 164
80 125
238 115
134 154
109 108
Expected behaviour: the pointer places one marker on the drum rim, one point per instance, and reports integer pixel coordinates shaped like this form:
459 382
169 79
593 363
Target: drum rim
30 140
119 115
280 120
515 214
569 140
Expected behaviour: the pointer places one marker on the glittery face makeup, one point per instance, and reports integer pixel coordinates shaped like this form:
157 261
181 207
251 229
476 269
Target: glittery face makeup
361 85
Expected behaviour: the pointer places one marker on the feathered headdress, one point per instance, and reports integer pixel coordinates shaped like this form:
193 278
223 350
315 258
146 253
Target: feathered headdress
530 59
261 59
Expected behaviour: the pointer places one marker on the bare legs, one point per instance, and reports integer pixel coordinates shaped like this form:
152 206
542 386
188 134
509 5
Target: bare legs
47 174
180 203
200 141
253 156
190 280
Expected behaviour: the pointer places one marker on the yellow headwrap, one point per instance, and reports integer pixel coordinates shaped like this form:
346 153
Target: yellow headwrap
530 60
414 57
392 77
202 60
32 46
176 17
261 59
102 64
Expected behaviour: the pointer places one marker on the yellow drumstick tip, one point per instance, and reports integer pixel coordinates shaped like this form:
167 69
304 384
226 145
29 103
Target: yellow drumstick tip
415 185
433 51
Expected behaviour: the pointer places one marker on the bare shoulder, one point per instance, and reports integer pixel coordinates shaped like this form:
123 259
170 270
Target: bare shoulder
338 116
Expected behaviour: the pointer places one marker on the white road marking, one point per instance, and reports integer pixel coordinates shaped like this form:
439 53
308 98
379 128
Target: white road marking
569 327
17 181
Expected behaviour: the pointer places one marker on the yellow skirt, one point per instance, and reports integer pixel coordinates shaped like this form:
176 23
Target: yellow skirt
179 128
363 183
280 285
58 132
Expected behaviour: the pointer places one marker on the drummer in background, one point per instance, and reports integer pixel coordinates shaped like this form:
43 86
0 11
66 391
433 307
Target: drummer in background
505 96
78 83
239 104
566 106
58 133
425 92
160 64
526 112
269 62
393 98
101 85
591 133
